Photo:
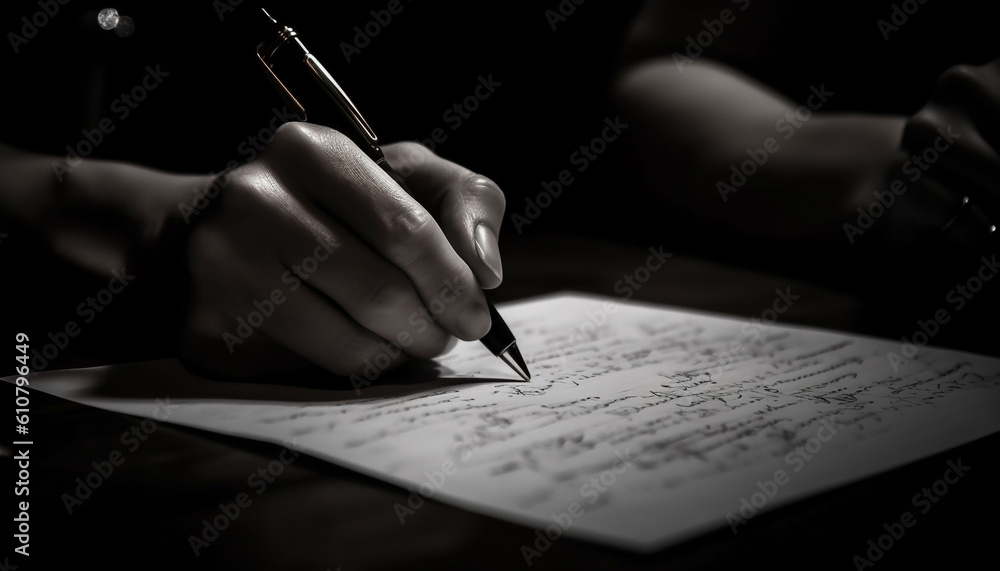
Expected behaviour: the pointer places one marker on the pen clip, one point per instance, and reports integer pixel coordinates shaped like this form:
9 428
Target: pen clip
266 54
334 90
265 51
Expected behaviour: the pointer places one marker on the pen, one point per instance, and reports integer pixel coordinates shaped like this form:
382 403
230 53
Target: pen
499 340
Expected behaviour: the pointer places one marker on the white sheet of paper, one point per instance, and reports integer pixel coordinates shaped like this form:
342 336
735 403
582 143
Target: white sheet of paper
656 424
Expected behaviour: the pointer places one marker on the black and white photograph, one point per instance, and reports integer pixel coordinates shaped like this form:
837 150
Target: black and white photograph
555 284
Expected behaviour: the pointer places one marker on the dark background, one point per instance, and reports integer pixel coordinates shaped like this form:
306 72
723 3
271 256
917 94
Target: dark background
553 98
429 57
554 95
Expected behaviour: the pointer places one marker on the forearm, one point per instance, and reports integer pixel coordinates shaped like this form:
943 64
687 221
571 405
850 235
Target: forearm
95 214
696 128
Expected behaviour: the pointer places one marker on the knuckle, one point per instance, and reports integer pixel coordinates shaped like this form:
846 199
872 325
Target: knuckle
406 234
244 203
293 134
484 188
332 150
242 185
300 141
337 142
407 156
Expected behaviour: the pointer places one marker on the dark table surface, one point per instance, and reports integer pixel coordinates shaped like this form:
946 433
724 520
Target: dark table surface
317 516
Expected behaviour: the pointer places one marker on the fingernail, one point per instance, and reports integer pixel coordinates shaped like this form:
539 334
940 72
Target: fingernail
488 250
474 322
452 343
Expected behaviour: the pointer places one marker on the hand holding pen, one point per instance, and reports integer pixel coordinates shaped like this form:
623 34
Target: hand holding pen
321 255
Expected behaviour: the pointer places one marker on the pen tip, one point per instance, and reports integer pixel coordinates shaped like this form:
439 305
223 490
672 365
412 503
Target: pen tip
512 356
